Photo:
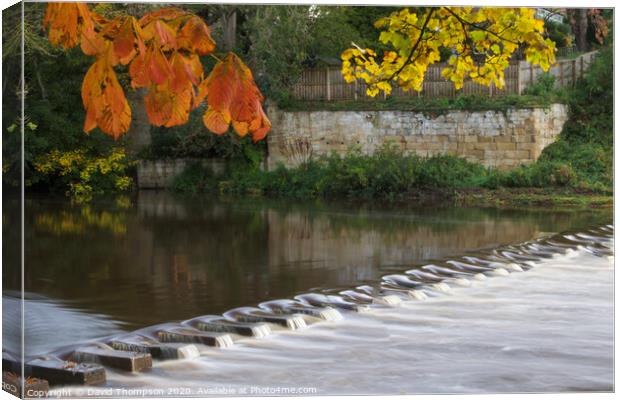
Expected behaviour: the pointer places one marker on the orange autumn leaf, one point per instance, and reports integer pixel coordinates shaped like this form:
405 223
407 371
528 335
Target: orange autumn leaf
195 36
162 50
138 72
124 42
168 14
165 35
233 97
216 121
167 108
193 68
104 100
184 73
158 66
91 43
65 22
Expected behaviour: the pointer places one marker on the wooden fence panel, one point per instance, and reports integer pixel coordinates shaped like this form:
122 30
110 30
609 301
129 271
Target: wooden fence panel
327 84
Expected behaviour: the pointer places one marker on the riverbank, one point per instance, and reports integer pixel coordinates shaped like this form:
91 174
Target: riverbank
532 197
574 171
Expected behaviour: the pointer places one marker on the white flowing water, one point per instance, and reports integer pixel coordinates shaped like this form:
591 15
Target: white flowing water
548 329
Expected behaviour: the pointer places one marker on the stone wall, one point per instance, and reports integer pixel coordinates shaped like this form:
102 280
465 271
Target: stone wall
160 174
501 139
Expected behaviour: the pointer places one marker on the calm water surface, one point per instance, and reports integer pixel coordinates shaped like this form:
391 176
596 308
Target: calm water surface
107 267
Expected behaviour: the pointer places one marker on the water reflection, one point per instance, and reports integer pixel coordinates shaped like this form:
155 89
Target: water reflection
168 258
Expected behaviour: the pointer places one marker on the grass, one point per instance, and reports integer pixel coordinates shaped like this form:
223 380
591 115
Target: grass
529 197
421 104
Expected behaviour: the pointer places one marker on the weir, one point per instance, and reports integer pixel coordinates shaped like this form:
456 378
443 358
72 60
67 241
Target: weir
134 351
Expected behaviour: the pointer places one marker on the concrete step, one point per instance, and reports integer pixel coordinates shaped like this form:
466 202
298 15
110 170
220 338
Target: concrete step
216 323
58 372
164 351
108 356
190 335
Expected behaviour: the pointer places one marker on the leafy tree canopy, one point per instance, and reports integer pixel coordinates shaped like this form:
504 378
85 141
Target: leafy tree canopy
481 42
162 50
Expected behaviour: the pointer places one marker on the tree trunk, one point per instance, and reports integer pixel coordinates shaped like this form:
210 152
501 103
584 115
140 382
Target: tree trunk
229 26
579 22
139 134
37 74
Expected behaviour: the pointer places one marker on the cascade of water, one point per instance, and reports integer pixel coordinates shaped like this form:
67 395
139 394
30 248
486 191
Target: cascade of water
422 282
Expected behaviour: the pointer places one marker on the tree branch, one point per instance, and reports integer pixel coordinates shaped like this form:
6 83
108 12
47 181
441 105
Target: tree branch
415 46
463 21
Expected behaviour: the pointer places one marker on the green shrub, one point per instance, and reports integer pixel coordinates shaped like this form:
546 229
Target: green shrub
386 174
82 174
194 179
543 87
540 175
193 140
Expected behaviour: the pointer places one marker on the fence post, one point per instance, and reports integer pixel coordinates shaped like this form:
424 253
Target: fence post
355 90
329 94
561 65
574 66
519 78
531 74
581 67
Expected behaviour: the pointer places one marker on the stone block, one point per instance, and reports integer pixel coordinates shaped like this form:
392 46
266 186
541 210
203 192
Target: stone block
479 154
506 146
506 138
485 146
521 154
470 138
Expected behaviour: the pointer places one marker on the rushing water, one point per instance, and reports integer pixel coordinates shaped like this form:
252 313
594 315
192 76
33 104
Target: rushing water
99 270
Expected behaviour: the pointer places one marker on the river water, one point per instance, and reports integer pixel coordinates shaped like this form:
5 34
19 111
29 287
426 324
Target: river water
111 267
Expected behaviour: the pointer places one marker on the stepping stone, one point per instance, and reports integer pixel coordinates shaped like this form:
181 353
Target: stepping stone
59 372
416 286
415 294
216 323
321 300
579 239
424 276
492 263
379 295
477 268
142 344
537 251
106 355
438 281
365 298
191 335
33 387
598 251
518 257
468 267
295 307
252 314
452 273
547 247
403 281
